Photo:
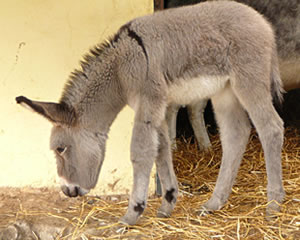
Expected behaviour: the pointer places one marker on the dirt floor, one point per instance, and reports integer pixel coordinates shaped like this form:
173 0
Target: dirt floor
47 214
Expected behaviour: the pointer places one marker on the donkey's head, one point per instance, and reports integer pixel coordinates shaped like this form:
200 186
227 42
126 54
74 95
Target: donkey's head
79 151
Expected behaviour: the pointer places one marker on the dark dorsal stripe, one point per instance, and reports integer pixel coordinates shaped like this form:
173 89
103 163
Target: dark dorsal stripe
132 34
139 40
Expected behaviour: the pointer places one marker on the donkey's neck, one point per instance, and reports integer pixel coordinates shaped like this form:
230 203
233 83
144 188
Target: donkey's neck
95 92
100 105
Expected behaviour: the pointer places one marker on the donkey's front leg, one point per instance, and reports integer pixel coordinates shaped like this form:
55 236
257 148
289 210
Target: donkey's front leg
144 148
164 166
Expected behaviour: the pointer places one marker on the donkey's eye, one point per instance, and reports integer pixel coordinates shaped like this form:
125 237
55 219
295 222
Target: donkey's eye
61 150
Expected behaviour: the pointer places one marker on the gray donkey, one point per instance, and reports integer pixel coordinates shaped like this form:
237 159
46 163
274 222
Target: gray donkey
220 50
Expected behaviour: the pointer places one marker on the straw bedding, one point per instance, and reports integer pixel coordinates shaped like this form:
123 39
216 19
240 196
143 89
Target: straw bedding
243 217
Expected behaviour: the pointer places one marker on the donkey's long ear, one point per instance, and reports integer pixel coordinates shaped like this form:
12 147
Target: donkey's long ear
57 113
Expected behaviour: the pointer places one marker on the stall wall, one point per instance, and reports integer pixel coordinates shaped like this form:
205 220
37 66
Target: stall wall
41 43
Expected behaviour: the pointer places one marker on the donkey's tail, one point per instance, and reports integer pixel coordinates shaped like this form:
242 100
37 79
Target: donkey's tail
276 83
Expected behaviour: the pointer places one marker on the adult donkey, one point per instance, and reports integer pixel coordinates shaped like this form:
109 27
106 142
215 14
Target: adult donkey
285 17
222 50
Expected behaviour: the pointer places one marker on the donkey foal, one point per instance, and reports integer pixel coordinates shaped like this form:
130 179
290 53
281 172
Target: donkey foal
220 50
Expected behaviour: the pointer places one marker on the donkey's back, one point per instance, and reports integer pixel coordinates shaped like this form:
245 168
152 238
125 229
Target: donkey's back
193 51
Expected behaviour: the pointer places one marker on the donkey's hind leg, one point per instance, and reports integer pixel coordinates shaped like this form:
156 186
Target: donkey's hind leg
234 130
269 126
196 117
171 118
164 166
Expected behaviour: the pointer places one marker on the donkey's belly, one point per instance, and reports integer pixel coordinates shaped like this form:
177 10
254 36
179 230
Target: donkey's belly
187 91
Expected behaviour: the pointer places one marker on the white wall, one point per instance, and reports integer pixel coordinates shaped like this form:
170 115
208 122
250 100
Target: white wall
41 43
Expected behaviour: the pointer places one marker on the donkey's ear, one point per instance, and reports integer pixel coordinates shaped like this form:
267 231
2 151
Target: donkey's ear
57 113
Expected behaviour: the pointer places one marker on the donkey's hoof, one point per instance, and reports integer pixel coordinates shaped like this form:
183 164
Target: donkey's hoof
272 210
120 228
203 212
271 215
165 210
161 214
273 207
212 204
128 221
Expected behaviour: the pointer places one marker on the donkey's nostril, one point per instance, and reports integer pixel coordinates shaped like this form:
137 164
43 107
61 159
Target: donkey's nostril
73 191
65 190
70 191
76 191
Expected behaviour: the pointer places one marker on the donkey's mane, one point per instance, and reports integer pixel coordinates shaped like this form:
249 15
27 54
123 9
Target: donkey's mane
78 82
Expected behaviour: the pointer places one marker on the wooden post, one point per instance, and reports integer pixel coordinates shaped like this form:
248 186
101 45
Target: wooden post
158 5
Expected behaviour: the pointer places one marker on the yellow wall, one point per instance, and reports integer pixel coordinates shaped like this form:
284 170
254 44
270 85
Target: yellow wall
41 42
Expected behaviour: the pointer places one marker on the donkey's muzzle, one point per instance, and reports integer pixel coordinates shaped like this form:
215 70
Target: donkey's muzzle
73 191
